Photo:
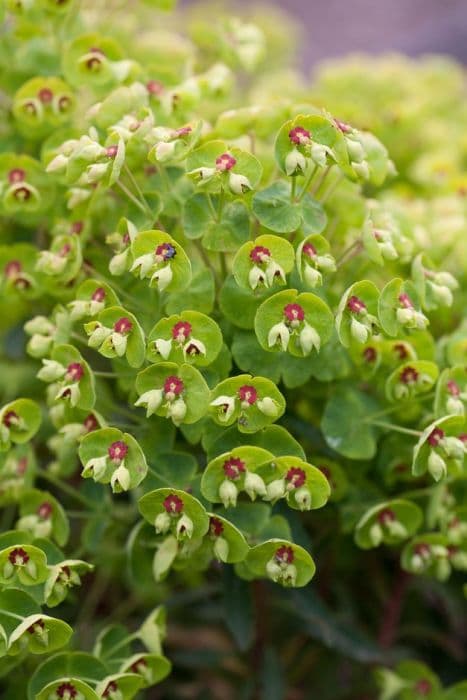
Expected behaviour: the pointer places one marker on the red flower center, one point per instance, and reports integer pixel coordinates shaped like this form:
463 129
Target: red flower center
216 527
99 294
296 477
294 312
422 549
112 687
45 95
310 250
453 388
435 437
173 385
356 305
405 301
12 269
284 555
247 393
409 375
111 151
74 371
401 350
34 628
299 136
225 162
77 227
10 419
181 331
63 103
260 254
183 131
173 504
118 451
16 175
18 556
233 468
166 251
90 423
154 87
138 665
45 510
22 193
386 516
123 326
66 690
342 126
369 354
423 687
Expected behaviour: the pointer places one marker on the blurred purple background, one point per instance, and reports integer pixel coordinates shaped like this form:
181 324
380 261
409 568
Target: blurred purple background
337 27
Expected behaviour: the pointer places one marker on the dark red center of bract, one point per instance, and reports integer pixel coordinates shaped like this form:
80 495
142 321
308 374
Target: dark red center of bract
405 301
284 555
173 385
216 527
325 470
435 437
166 251
138 665
32 629
356 305
233 468
16 175
260 254
77 227
74 371
453 388
111 151
225 162
12 269
386 516
296 477
310 250
123 326
181 331
90 423
22 193
183 131
45 95
112 687
173 504
462 437
299 136
154 87
99 294
45 510
18 554
63 103
369 354
401 350
342 126
409 375
422 549
10 419
118 450
248 393
22 465
66 689
294 312
423 686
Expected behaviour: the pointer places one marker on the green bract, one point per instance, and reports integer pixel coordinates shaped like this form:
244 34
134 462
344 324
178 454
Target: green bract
282 561
19 422
187 337
158 257
388 523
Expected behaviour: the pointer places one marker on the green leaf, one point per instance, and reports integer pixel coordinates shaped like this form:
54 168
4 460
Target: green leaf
345 423
223 234
238 609
275 210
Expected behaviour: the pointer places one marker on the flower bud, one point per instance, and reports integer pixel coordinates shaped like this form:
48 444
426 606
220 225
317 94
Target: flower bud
309 338
76 196
118 342
98 335
319 154
313 277
151 400
164 557
163 277
326 263
93 173
273 570
163 347
455 406
359 331
70 392
436 466
361 169
376 534
442 294
273 271
177 410
194 347
239 184
162 522
221 548
226 407
396 529
454 447
279 332
445 279
51 371
184 527
275 490
120 479
256 276
388 251
254 485
143 264
39 345
119 263
295 162
459 560
57 164
95 468
228 493
267 406
50 263
303 498
164 151
355 150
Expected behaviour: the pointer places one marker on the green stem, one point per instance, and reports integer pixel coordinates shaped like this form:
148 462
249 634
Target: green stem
350 252
396 428
126 640
138 189
307 183
321 179
223 263
98 373
331 188
220 206
205 258
7 613
393 409
131 196
66 488
293 189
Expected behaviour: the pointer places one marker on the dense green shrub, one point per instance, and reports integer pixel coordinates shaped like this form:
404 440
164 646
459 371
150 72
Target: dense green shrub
234 359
